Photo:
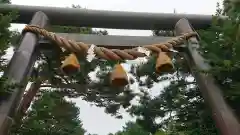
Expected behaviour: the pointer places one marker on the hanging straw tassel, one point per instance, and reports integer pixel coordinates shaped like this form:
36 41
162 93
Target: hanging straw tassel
164 63
119 76
70 64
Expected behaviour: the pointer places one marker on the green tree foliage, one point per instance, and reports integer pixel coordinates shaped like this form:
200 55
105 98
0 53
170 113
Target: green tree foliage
180 105
220 46
131 128
6 40
5 37
98 91
48 73
180 108
50 114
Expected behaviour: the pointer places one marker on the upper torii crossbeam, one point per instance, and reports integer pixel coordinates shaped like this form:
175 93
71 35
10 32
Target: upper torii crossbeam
107 19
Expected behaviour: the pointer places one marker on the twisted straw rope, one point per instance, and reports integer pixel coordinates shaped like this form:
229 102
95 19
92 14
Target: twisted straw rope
104 53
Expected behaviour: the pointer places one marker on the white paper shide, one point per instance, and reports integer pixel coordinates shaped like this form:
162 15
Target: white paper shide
90 53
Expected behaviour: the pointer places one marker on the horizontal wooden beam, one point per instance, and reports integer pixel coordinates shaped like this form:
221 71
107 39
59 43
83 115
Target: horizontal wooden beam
110 41
106 19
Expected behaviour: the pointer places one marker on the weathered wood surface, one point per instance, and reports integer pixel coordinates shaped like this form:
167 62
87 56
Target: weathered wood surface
113 42
18 71
225 119
106 19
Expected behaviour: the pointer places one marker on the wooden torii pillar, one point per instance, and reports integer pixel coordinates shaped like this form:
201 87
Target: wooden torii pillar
23 59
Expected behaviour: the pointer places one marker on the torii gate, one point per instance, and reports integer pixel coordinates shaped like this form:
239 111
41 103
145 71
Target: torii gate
23 59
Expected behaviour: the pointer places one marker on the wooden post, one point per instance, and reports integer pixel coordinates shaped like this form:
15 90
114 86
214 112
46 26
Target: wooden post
28 98
225 119
18 71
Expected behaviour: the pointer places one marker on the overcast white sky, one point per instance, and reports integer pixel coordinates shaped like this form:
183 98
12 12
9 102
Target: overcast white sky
94 119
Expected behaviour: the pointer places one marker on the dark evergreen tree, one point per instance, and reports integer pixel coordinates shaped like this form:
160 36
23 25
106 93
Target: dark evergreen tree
50 114
182 99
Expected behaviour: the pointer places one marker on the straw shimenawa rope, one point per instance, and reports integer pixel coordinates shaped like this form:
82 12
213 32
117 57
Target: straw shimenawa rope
104 53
